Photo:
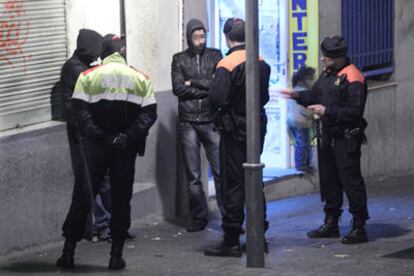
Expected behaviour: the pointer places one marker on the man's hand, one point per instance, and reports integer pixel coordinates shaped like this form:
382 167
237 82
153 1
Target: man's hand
289 93
187 83
317 109
118 142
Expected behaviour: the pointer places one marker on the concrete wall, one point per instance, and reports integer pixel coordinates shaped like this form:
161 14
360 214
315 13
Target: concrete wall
36 177
35 186
99 15
404 100
389 109
153 36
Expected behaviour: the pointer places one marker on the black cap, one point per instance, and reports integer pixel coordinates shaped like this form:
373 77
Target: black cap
334 46
111 43
234 29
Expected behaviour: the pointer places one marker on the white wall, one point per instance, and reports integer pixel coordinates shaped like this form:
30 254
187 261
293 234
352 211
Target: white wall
153 31
153 36
99 15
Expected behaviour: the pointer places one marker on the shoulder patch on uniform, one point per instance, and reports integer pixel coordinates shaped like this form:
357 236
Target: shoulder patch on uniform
233 60
352 74
91 69
142 73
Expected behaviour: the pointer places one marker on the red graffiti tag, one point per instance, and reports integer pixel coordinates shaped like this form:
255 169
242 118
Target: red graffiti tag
13 32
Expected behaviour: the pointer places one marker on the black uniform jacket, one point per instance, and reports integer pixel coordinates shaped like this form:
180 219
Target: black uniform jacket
343 92
229 84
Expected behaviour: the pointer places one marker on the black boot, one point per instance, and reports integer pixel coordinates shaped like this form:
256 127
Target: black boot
66 259
358 234
116 261
228 247
329 229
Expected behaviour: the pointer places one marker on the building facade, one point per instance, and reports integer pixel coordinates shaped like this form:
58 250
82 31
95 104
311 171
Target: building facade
36 176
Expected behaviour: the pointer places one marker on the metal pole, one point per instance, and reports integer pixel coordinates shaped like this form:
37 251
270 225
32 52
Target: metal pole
122 21
253 167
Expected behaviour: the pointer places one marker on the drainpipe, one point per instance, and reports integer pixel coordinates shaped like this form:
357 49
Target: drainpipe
122 22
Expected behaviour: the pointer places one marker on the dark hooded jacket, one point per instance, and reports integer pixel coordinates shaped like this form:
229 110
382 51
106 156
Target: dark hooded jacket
198 66
87 50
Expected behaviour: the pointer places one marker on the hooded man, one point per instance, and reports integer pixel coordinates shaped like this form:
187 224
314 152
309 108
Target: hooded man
114 107
87 51
192 71
339 97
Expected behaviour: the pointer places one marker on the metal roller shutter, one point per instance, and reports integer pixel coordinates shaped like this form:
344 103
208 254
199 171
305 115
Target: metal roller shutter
32 51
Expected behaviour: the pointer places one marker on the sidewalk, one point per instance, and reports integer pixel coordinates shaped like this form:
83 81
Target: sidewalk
166 249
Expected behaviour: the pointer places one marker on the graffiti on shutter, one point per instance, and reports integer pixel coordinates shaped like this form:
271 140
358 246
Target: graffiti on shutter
13 33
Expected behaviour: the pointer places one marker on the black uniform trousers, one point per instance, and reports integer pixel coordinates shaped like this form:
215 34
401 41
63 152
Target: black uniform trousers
121 168
340 170
103 207
233 154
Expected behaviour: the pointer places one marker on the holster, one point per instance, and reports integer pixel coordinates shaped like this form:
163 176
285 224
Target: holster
354 137
225 122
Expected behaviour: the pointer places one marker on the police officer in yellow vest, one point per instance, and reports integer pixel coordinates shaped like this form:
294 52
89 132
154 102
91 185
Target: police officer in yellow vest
339 97
114 108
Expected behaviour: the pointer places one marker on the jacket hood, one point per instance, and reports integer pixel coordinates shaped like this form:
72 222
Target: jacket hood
192 25
88 45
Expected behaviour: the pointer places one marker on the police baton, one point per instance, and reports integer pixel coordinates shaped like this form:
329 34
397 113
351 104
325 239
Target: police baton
89 190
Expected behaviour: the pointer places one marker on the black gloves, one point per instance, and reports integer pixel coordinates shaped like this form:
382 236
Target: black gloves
121 142
118 142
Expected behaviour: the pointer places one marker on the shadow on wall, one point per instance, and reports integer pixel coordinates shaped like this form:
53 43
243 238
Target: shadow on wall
169 176
56 102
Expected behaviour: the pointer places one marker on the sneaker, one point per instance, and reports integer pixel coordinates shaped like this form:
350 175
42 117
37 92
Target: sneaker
196 226
130 236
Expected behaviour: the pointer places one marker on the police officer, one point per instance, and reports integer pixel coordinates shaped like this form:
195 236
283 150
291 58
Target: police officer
228 97
338 97
114 106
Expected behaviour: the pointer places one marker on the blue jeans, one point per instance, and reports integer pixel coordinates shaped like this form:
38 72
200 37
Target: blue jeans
103 206
303 148
192 135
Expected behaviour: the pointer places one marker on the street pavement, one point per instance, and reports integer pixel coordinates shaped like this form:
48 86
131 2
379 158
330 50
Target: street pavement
163 248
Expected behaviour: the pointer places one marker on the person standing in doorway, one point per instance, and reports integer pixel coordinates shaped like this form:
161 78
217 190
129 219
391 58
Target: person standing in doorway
191 72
